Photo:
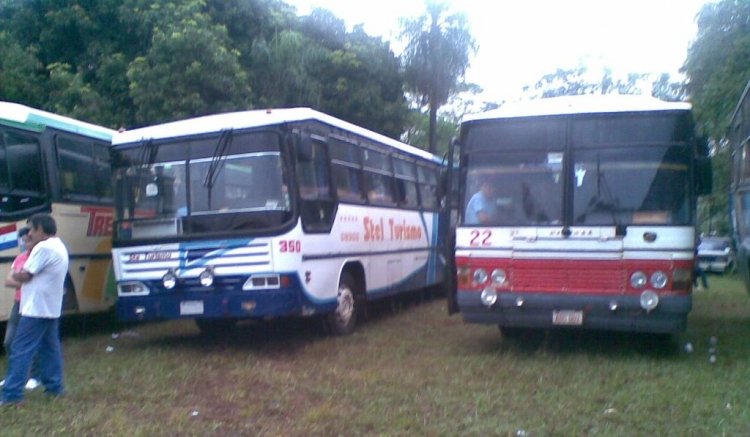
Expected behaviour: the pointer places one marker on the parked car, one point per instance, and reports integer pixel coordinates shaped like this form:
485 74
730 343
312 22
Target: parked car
715 254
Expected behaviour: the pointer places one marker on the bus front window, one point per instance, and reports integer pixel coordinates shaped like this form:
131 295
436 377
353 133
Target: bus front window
252 182
156 190
514 188
624 186
194 187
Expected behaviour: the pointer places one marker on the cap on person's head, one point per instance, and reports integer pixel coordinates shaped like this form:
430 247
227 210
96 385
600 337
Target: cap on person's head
23 232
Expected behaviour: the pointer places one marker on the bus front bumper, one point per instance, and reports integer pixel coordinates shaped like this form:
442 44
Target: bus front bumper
245 304
546 310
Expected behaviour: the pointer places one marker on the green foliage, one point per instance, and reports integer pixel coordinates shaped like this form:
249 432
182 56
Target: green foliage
124 63
418 132
580 81
189 70
436 58
717 63
717 69
713 210
21 73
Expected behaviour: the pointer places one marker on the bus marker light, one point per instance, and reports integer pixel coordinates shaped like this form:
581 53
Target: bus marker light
519 301
613 306
649 300
248 305
489 296
139 311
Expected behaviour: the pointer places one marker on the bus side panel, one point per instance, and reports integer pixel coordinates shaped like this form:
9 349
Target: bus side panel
86 231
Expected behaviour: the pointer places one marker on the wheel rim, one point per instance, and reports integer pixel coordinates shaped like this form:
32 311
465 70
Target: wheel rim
345 307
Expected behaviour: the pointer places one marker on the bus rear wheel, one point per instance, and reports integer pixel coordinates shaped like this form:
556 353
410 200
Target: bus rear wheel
343 319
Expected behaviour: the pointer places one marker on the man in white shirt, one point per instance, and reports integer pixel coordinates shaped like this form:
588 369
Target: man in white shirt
38 332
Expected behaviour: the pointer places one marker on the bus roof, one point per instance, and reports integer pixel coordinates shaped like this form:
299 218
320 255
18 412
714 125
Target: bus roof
36 120
585 104
255 118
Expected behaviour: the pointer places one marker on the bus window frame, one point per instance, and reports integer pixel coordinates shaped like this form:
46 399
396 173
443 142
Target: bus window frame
78 196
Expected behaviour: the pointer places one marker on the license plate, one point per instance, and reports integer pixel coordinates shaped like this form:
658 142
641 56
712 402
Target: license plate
567 317
191 307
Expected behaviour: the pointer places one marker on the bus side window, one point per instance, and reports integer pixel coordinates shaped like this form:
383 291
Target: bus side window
379 177
346 171
317 207
406 183
428 192
84 168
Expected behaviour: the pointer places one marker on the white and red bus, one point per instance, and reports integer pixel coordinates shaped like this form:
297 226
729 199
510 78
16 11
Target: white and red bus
61 166
589 218
270 213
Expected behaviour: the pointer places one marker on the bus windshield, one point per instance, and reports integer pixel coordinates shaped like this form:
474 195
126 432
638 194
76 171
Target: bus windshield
21 183
203 188
520 188
625 186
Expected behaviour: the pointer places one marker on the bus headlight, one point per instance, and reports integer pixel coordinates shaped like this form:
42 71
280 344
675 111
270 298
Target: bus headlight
206 277
659 279
638 279
132 289
499 276
169 280
480 276
649 300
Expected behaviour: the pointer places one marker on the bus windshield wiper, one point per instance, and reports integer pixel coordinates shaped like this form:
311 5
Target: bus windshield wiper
610 203
217 160
146 153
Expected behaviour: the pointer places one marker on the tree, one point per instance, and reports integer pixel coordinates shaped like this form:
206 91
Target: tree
21 74
717 64
436 58
188 71
580 80
717 71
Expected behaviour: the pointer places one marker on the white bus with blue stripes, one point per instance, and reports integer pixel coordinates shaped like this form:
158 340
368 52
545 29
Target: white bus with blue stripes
270 213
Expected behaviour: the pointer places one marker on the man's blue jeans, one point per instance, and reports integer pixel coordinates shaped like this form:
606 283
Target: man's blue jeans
40 337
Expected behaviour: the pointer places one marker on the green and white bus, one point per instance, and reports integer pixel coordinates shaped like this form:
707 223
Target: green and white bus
61 166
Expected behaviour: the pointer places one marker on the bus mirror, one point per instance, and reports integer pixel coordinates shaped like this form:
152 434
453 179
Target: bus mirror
703 176
304 149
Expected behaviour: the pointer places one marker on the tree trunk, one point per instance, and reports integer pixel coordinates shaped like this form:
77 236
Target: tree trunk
433 128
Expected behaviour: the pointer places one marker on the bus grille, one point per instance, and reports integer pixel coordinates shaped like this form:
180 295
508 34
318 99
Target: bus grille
570 276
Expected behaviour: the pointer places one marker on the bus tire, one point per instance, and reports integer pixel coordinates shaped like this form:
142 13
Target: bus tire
343 319
215 327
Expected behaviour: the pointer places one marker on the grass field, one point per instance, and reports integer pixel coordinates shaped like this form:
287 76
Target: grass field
414 371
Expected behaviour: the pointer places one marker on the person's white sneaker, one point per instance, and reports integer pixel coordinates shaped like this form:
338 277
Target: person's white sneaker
31 384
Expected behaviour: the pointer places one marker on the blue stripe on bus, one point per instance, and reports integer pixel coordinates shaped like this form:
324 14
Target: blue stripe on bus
9 244
220 247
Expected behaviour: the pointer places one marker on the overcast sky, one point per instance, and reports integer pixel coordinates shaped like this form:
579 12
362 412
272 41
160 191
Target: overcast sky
521 40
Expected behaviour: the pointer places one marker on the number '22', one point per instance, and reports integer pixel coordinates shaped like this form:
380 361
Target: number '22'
480 238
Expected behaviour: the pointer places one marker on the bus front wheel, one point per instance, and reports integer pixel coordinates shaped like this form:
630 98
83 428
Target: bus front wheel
343 319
